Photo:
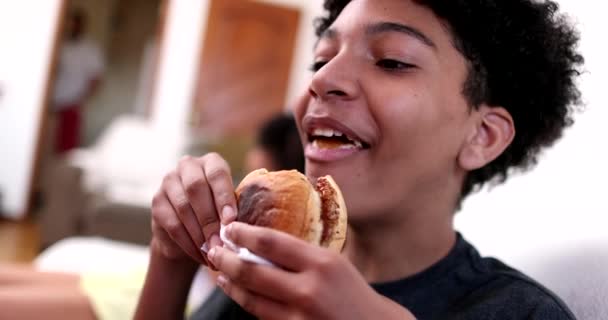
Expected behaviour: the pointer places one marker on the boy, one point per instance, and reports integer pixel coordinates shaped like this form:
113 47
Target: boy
412 105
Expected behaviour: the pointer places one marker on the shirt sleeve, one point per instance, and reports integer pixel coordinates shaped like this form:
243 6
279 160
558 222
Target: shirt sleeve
550 310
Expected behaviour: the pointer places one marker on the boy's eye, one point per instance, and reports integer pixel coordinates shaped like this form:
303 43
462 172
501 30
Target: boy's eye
394 65
317 65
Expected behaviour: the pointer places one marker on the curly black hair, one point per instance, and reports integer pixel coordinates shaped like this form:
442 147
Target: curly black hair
522 55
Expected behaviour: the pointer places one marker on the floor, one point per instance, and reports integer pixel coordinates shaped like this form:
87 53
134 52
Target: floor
19 241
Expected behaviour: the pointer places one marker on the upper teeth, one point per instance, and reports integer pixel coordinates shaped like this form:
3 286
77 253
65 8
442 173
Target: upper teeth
333 133
327 133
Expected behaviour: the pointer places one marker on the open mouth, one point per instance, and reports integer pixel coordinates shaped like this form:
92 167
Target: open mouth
324 138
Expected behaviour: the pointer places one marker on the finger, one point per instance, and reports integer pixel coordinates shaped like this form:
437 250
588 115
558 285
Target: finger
272 283
281 248
200 198
171 233
161 212
261 307
219 179
169 248
170 219
178 233
181 205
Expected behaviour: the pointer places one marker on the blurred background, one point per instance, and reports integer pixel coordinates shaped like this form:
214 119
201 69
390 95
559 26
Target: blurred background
101 98
136 84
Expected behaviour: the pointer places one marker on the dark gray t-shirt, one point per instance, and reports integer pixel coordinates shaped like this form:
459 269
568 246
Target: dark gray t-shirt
463 285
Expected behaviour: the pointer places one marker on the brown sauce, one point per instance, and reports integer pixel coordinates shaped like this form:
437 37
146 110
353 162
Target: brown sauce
329 208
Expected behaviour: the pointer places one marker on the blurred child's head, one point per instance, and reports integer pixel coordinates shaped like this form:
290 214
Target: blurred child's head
277 147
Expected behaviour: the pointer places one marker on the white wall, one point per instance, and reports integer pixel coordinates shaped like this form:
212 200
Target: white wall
27 29
184 29
562 201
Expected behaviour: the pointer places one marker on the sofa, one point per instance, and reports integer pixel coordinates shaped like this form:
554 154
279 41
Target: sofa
106 189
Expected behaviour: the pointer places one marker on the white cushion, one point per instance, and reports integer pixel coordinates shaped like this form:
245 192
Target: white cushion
82 255
129 160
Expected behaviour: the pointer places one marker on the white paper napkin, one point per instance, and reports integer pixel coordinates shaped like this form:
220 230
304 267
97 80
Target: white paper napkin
243 253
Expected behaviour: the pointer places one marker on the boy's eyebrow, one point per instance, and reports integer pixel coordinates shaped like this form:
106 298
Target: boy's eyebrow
329 33
382 27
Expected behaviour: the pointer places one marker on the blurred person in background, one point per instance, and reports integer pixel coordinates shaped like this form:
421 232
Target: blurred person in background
27 293
277 147
79 71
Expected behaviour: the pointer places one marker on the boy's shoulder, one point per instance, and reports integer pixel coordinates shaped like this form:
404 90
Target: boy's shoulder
465 285
502 292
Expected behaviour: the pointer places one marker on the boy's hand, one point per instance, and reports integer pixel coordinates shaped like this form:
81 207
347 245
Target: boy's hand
186 210
311 283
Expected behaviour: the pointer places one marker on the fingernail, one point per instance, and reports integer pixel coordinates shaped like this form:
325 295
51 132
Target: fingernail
228 213
215 241
211 254
205 247
229 231
222 280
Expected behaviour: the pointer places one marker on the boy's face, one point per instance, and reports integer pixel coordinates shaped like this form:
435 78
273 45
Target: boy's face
391 79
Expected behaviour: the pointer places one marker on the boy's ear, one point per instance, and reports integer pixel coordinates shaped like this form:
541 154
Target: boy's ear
491 134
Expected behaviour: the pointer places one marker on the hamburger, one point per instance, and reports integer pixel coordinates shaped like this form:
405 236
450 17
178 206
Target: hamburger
287 201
